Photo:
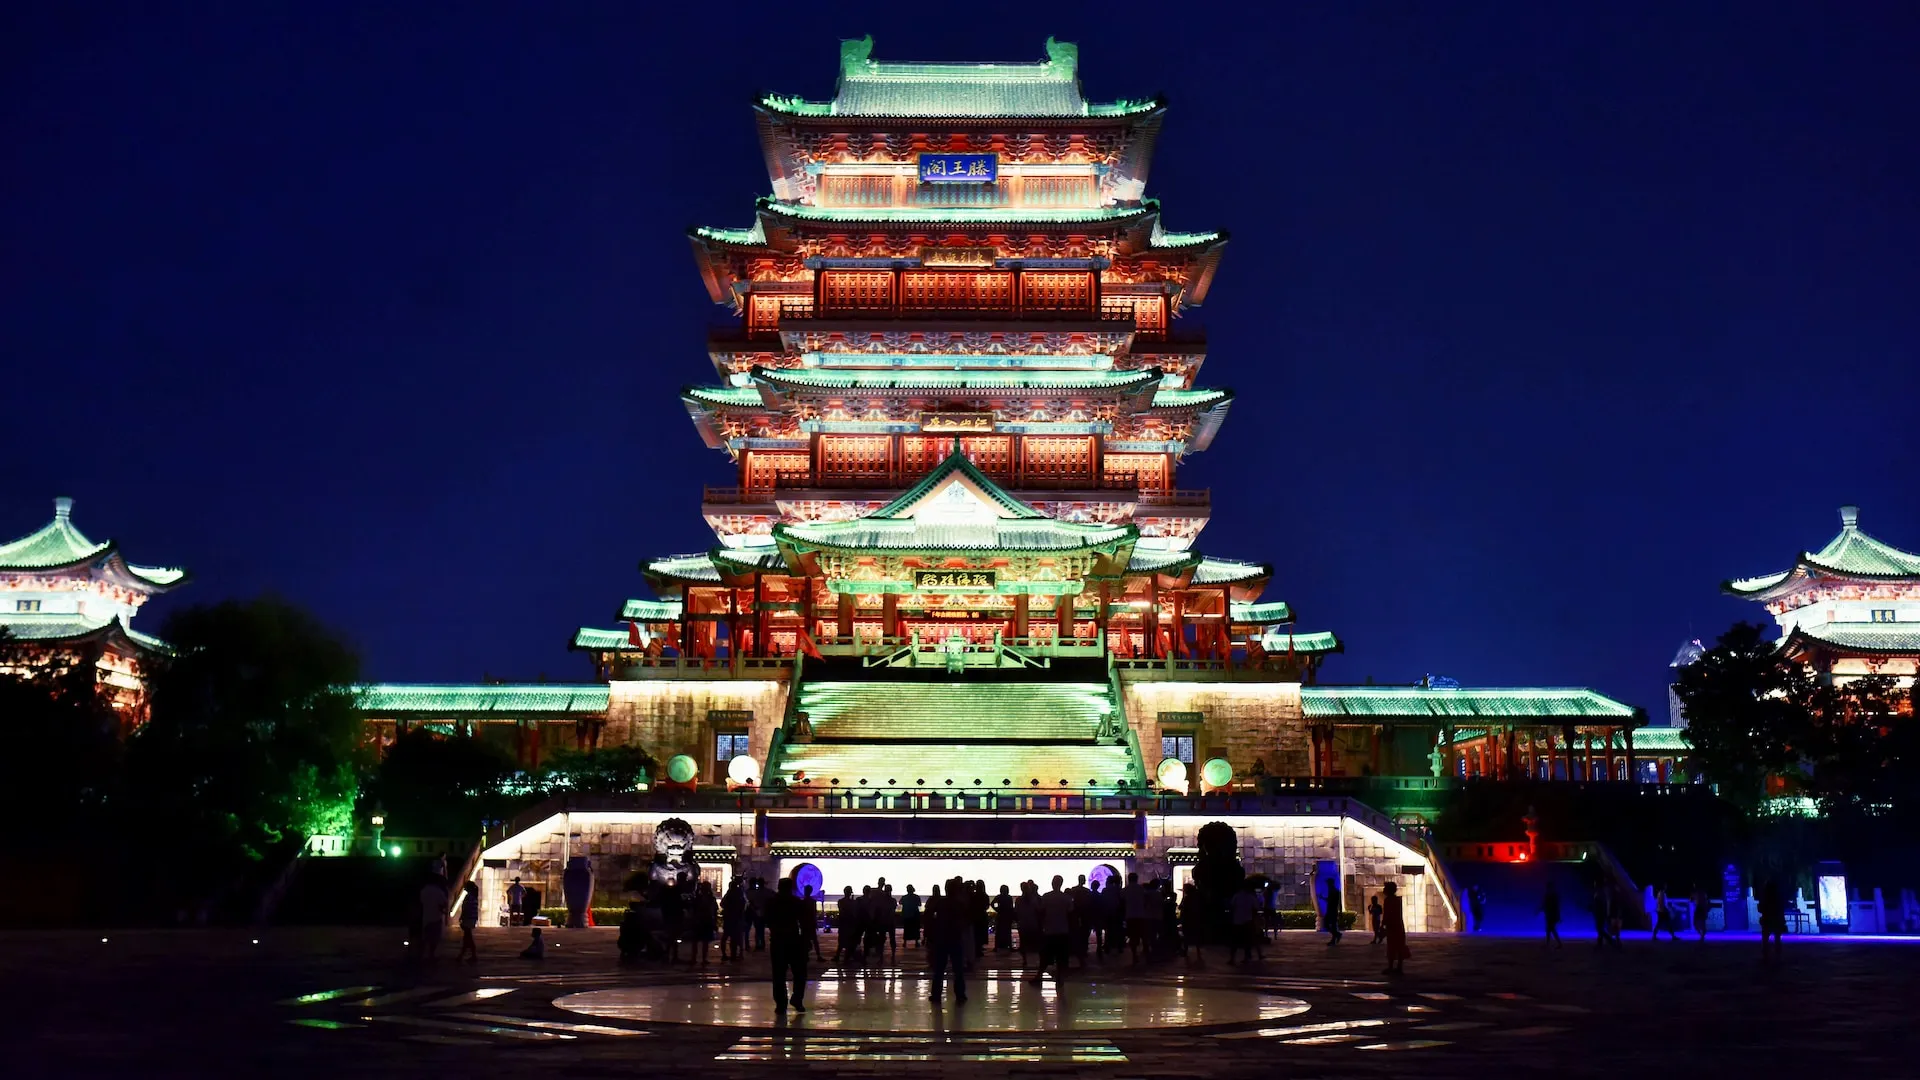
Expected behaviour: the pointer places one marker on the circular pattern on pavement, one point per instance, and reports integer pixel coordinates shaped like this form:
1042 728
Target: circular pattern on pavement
890 1002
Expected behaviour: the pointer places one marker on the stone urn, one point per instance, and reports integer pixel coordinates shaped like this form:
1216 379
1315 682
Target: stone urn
576 883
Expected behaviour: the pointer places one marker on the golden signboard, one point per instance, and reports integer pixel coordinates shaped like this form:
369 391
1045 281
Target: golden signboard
958 256
956 421
954 580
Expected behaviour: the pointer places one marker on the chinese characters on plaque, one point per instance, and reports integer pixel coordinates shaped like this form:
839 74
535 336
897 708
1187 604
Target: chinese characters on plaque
956 421
959 168
953 580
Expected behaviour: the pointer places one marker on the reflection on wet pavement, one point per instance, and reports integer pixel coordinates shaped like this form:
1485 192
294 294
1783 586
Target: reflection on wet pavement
899 1003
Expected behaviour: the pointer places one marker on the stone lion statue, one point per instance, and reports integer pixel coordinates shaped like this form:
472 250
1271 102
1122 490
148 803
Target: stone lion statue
673 851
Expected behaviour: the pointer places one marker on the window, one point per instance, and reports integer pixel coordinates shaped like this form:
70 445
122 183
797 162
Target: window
1177 746
727 745
1883 615
34 605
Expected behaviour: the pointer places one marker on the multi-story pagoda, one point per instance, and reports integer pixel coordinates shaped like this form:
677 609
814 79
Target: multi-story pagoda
66 600
954 620
1850 609
955 320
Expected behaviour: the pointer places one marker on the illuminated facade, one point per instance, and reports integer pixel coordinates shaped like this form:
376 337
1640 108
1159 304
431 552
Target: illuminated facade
954 620
66 600
1850 609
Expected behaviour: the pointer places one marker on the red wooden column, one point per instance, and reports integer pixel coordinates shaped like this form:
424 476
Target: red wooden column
686 621
1150 620
1610 769
1063 616
1020 601
890 615
1587 772
845 626
760 647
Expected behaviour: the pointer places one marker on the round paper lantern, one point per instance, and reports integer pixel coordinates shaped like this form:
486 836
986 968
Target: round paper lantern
681 769
742 769
1172 772
1217 772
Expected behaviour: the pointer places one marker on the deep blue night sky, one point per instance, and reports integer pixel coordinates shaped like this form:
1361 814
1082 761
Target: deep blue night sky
1543 318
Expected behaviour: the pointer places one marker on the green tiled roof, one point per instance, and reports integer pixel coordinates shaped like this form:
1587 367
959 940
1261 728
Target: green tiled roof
1213 571
749 559
651 610
1868 637
827 379
1167 240
48 629
731 396
957 462
1160 561
386 699
698 569
1195 398
974 712
867 87
591 640
1851 554
1274 612
752 236
1418 703
59 543
1005 534
938 215
1313 642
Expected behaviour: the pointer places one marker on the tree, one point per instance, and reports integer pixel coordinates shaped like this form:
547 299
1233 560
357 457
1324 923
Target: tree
1748 714
610 770
252 744
63 753
434 784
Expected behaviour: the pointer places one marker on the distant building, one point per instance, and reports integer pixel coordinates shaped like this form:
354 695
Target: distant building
1850 609
1690 652
66 600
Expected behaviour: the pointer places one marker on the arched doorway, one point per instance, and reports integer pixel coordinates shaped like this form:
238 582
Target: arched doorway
808 875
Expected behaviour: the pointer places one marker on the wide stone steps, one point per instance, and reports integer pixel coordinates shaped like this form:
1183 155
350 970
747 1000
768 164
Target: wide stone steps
948 711
968 765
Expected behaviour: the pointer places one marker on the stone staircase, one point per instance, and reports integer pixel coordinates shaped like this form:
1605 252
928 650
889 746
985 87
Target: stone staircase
969 733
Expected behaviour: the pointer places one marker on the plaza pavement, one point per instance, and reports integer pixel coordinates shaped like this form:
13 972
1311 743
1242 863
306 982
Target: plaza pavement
343 1002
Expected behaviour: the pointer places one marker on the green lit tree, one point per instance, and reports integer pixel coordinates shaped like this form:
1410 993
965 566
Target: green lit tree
253 744
433 783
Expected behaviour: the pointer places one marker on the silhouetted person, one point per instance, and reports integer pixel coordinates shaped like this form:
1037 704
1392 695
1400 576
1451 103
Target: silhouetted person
1003 921
1550 911
469 918
1772 903
1056 929
1662 915
1244 930
1701 907
1477 901
910 906
1373 919
1394 920
786 923
516 903
1330 909
947 938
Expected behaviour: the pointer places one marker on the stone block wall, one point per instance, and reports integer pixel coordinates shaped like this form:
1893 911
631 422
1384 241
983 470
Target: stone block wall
669 716
1249 721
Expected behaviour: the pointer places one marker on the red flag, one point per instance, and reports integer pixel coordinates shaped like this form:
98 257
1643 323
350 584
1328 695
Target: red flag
807 646
633 634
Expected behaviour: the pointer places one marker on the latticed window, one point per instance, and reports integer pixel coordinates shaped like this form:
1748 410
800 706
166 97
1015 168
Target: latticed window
957 290
1059 459
856 290
1050 290
856 191
1057 191
1147 472
993 454
763 312
854 457
1177 746
920 453
766 471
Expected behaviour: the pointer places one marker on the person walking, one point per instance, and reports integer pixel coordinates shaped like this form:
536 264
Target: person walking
1394 920
1244 932
846 920
1003 921
1330 910
1772 903
469 918
812 903
1026 917
889 918
733 921
1082 919
948 940
1663 915
757 911
1701 907
1550 911
979 911
784 918
516 903
1137 904
673 916
910 916
1373 919
1056 926
1477 902
701 920
433 914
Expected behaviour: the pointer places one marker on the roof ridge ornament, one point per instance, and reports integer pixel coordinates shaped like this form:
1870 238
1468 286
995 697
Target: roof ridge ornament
856 55
1850 517
62 508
